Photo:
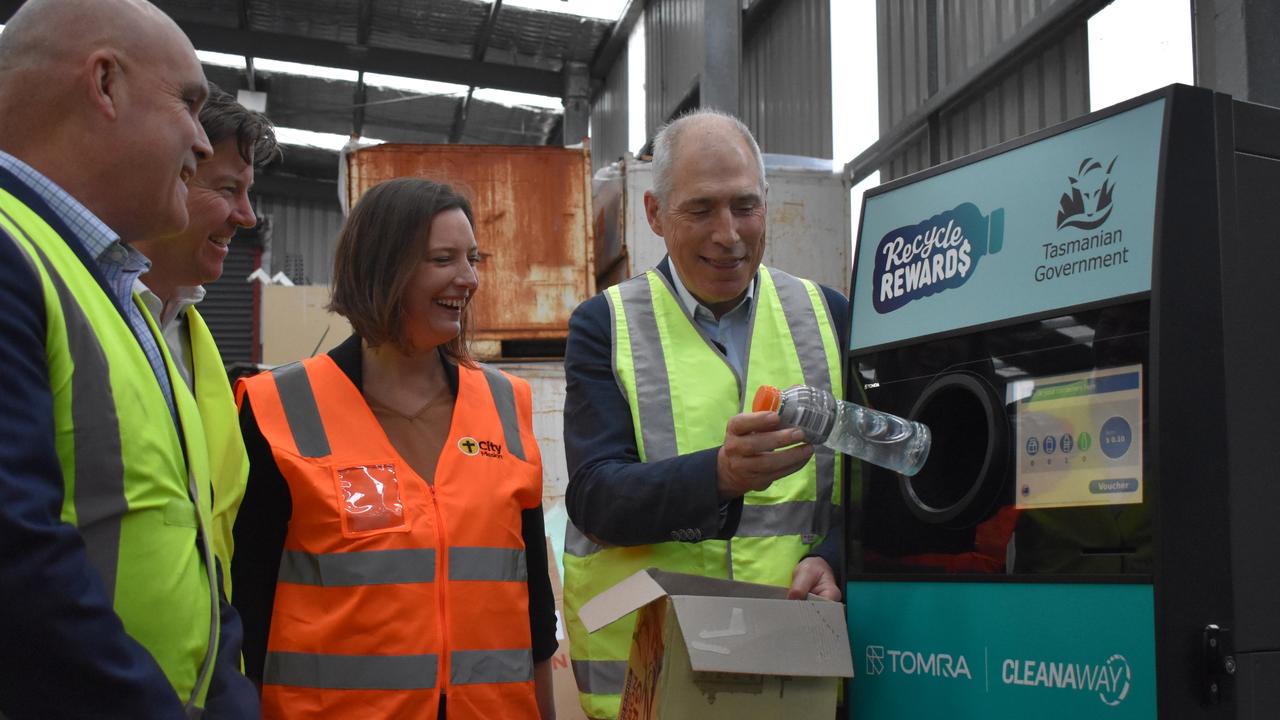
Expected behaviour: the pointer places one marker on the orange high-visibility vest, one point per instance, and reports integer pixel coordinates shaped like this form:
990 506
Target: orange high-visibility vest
392 591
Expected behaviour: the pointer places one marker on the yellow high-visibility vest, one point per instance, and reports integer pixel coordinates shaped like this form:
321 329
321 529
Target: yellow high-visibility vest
139 501
682 392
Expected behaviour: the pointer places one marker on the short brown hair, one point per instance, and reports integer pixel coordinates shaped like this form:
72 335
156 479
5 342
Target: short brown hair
378 251
222 118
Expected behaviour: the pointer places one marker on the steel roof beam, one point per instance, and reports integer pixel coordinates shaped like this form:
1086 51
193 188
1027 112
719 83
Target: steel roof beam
406 63
364 25
477 53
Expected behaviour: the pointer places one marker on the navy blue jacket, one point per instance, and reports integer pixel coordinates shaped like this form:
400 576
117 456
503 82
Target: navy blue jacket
64 652
614 497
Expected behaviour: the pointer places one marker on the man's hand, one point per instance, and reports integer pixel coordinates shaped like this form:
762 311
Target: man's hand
747 460
813 575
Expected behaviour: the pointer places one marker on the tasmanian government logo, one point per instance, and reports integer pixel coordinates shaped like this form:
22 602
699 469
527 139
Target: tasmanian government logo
1111 679
471 447
886 661
1087 202
916 261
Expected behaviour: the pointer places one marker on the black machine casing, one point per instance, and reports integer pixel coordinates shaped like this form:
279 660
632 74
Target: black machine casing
1206 536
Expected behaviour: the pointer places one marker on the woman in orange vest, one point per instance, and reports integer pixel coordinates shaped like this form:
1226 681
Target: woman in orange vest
391 560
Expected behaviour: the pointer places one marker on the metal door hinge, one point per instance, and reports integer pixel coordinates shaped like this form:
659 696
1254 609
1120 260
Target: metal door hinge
1219 662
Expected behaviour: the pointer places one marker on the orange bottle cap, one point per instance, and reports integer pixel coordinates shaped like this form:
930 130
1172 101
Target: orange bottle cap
768 399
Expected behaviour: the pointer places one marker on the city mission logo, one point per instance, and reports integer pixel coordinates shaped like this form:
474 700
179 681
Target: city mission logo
916 261
881 661
471 447
1111 679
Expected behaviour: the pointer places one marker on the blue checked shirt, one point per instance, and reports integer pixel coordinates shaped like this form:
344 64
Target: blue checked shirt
730 332
119 263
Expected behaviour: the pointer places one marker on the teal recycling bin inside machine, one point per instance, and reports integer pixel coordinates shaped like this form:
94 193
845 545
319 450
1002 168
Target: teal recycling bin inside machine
1085 319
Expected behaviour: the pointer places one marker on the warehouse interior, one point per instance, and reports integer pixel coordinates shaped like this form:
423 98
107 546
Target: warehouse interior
952 78
544 113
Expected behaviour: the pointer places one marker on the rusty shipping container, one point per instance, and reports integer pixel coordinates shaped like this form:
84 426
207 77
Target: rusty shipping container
533 225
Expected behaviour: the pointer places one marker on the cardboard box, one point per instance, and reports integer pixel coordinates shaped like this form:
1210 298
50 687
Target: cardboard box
296 325
708 649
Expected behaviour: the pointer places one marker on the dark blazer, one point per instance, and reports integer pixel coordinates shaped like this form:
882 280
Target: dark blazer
614 497
264 518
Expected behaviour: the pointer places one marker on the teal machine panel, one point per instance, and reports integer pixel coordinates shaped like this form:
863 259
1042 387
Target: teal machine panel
1055 224
1085 650
1078 316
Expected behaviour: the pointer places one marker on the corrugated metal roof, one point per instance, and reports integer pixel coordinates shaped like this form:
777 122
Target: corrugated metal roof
521 36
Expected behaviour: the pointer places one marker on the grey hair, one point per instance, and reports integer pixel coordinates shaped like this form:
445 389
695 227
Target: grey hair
669 133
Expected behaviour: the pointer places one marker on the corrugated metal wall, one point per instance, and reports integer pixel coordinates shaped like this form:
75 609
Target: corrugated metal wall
785 95
673 55
303 235
228 302
785 80
609 117
1049 88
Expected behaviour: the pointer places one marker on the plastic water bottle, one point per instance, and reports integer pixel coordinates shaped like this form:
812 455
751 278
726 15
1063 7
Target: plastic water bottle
879 438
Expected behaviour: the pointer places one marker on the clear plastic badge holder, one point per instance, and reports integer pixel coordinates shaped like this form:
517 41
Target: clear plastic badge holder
370 498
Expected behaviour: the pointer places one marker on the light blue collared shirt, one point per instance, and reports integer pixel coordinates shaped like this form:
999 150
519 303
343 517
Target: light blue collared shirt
120 264
732 331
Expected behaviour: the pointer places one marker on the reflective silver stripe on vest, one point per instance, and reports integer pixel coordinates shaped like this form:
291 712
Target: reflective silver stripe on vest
600 677
370 567
504 397
807 336
776 519
351 672
300 409
101 504
487 563
653 387
577 544
99 479
471 667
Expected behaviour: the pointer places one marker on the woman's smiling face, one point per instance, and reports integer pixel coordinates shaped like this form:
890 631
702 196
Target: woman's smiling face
443 283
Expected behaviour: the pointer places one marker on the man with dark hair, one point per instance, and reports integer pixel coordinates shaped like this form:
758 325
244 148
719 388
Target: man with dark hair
111 600
218 204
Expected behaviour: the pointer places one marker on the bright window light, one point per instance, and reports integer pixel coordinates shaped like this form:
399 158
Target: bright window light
508 97
415 85
221 59
1124 63
601 9
292 68
637 130
325 141
855 123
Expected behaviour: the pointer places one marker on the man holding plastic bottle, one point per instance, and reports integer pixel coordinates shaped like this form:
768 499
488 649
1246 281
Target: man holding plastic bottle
667 467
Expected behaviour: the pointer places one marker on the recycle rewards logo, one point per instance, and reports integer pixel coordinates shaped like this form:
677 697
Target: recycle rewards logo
916 261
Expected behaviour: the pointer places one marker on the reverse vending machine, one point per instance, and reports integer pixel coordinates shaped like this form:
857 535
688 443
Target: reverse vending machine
1087 319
